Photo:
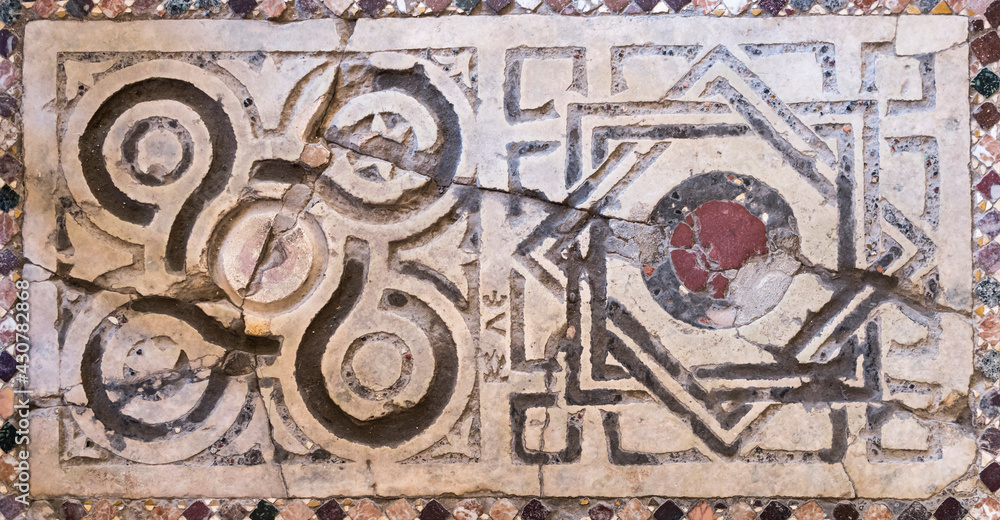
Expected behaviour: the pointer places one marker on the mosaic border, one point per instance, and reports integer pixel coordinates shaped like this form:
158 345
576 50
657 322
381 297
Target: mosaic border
515 509
978 504
13 11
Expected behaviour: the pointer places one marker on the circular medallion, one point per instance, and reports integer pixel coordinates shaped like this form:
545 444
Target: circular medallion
377 366
264 262
158 150
395 149
725 247
381 364
154 388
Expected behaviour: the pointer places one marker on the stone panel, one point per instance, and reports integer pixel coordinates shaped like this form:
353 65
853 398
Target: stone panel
595 257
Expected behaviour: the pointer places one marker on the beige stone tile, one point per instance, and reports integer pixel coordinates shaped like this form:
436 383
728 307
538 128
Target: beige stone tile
468 509
503 509
810 511
877 512
365 510
400 510
633 510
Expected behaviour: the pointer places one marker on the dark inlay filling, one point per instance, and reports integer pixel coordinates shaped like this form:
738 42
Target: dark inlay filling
111 198
156 174
110 413
395 428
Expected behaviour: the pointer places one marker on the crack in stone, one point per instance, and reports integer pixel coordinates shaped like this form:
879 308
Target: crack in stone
583 202
270 428
264 253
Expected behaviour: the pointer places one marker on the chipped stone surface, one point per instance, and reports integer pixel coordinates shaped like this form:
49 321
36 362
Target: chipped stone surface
607 256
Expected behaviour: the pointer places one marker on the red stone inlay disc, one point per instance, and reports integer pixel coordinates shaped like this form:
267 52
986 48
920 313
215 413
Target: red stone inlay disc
690 267
717 236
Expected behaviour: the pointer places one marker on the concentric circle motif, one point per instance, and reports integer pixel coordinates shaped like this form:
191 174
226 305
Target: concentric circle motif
155 132
377 366
262 263
157 150
396 149
154 144
154 385
382 363
387 364
150 148
728 247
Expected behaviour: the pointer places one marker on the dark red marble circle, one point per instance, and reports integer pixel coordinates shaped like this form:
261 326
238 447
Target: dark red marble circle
705 234
717 236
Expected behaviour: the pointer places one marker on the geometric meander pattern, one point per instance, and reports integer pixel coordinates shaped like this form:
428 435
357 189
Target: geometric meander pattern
884 307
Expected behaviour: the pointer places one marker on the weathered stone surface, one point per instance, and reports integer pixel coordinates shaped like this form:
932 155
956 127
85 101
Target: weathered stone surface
602 256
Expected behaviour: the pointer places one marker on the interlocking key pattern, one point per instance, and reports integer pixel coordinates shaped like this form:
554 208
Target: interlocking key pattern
520 255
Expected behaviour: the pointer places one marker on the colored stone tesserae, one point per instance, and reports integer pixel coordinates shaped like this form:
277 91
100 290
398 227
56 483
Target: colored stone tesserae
529 266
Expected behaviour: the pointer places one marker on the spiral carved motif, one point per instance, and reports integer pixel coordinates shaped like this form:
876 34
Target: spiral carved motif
284 258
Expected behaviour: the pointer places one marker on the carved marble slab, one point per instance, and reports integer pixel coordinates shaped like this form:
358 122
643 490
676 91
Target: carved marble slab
520 255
